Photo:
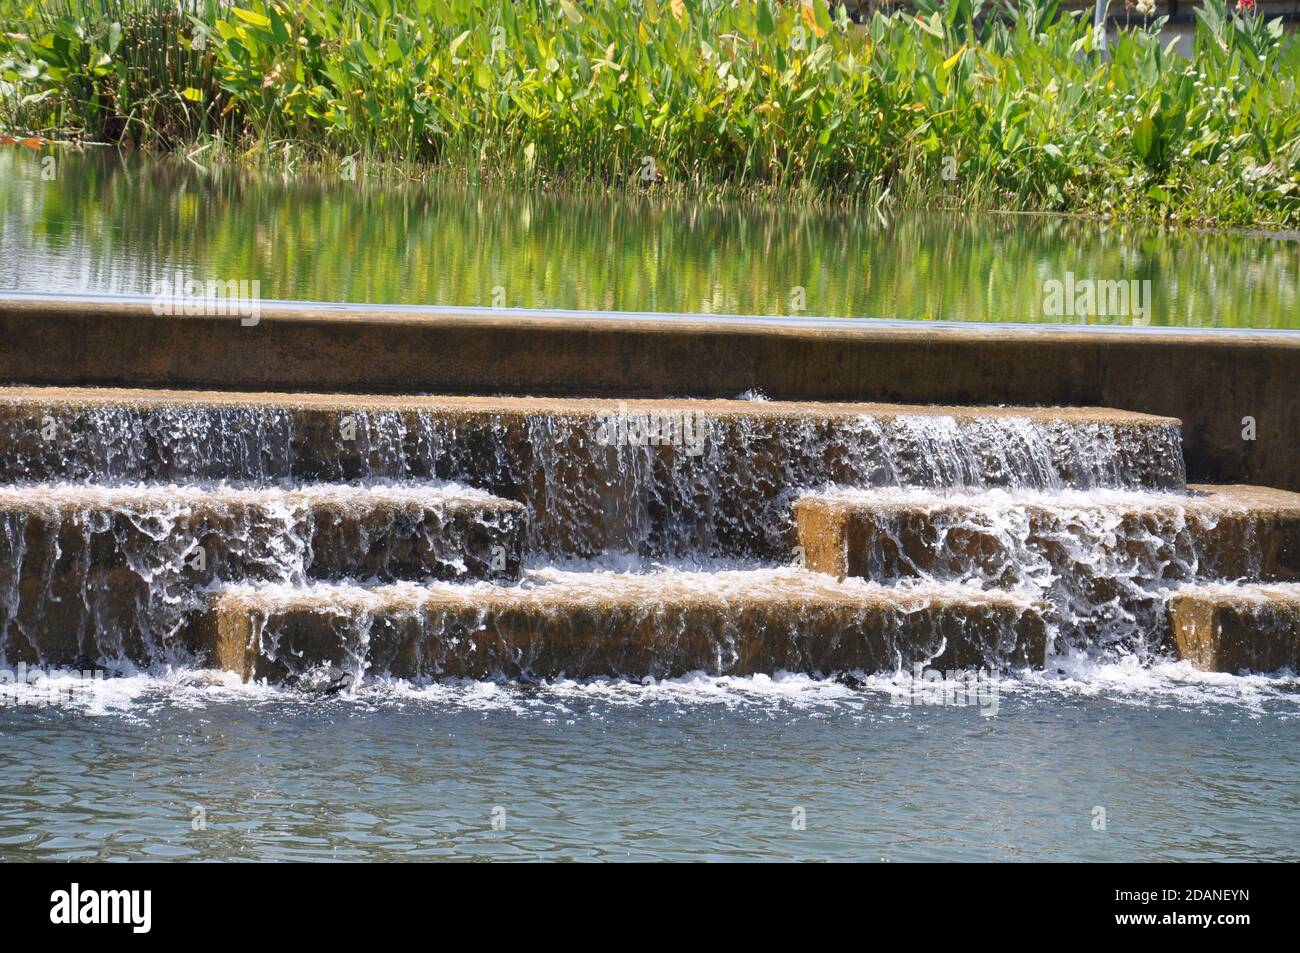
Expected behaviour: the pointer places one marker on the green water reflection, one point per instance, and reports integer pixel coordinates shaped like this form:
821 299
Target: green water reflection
109 224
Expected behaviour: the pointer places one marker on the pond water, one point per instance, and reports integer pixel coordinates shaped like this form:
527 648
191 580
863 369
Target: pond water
1098 763
108 224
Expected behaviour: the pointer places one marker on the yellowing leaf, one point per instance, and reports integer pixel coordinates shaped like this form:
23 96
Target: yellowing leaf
192 94
951 61
933 26
248 16
808 10
679 8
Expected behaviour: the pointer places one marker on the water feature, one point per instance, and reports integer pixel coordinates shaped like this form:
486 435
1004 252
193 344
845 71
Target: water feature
97 572
1104 560
369 661
588 489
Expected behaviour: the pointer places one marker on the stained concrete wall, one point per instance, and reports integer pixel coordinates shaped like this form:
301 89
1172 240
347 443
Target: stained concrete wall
1210 380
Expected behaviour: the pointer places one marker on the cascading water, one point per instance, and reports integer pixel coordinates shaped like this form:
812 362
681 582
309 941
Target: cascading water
1025 504
728 497
92 572
591 623
1104 561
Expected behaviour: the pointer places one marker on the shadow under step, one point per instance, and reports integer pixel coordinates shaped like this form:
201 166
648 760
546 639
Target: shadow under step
89 571
612 624
660 478
1237 627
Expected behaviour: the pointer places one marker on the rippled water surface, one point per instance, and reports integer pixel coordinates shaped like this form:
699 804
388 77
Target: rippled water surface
106 224
1185 766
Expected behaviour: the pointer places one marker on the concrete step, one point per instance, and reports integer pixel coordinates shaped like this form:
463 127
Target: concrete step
659 478
1235 628
1207 377
1207 532
91 571
1099 558
583 624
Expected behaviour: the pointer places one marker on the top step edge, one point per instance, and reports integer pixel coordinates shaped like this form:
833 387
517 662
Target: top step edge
552 587
353 314
1238 594
84 398
65 495
1195 497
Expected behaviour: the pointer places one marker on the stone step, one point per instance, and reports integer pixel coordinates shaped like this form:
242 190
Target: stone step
1099 558
1235 628
90 571
1208 532
583 624
657 478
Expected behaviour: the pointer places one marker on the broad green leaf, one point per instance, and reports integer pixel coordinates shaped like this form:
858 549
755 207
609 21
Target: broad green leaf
1144 137
248 16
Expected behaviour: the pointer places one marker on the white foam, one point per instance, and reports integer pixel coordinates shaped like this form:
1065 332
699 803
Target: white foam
169 497
124 690
1260 593
137 694
664 583
1003 499
1162 682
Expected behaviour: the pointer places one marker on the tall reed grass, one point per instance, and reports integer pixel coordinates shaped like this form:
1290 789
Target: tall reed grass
1009 107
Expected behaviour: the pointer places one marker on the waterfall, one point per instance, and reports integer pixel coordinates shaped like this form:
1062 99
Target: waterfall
397 530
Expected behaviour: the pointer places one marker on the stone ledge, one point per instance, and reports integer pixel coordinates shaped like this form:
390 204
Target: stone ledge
607 624
1234 628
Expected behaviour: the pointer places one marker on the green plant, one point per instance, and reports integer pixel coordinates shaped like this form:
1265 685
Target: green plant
958 103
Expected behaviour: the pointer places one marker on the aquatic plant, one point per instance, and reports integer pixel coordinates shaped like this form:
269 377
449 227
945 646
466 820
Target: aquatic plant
1007 106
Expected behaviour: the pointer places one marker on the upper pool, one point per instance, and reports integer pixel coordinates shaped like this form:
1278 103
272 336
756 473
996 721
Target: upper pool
102 223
